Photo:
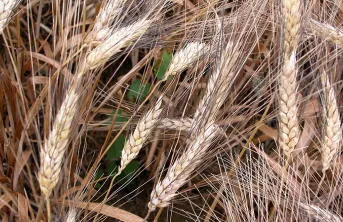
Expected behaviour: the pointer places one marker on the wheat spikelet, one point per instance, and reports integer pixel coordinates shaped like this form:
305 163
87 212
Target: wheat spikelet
52 153
6 7
104 19
327 32
181 170
333 133
289 126
118 39
185 57
137 139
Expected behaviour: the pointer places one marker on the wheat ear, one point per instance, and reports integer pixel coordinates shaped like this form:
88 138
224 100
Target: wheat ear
55 146
320 213
118 39
202 133
184 124
218 84
333 133
105 18
185 57
6 8
289 126
137 139
327 32
52 153
181 170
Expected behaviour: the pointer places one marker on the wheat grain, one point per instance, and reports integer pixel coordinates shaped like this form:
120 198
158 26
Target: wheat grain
52 153
181 170
137 139
6 8
333 133
289 126
185 57
327 32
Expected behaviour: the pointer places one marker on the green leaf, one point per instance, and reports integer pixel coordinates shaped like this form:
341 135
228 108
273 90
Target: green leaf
138 90
112 168
116 148
131 167
120 118
163 65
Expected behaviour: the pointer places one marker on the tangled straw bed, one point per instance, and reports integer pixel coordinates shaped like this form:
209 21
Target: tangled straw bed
171 110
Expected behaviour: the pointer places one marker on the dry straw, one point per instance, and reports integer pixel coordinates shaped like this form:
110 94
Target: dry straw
6 8
289 126
333 134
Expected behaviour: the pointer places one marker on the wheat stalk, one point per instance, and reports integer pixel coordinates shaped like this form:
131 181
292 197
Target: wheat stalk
181 170
137 139
327 32
289 126
6 8
185 57
333 133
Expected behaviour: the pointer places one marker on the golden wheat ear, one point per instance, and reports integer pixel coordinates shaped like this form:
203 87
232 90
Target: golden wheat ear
289 125
333 133
326 32
6 8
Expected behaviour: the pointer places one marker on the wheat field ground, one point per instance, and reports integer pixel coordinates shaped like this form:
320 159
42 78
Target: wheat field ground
171 110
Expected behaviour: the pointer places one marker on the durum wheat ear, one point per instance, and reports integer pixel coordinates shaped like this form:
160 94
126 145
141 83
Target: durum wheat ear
327 32
185 57
140 135
333 133
182 169
6 7
289 126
